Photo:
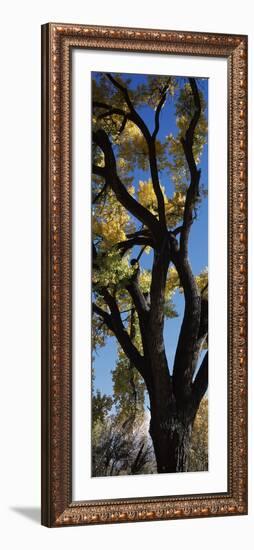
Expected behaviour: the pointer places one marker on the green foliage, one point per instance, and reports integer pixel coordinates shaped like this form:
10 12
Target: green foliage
101 405
114 271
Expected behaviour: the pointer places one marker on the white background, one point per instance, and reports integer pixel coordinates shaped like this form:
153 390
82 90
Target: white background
20 274
215 480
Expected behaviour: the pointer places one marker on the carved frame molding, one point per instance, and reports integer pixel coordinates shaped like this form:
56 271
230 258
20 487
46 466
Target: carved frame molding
58 40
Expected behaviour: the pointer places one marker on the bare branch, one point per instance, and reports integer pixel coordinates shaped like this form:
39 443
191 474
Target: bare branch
177 230
138 298
158 110
123 338
194 121
193 189
141 252
156 183
135 241
98 170
141 232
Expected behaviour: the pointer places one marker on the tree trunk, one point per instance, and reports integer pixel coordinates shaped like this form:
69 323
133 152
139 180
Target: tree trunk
171 433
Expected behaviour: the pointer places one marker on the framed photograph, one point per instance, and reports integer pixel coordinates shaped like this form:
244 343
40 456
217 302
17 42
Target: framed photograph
144 199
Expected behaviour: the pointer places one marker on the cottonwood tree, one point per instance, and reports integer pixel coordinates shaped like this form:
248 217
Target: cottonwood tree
132 218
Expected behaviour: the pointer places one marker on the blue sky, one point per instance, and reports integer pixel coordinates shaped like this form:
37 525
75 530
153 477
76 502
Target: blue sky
105 357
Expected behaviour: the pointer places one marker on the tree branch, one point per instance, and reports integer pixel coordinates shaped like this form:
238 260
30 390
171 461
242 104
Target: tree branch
109 109
177 230
158 110
103 314
193 189
157 315
188 345
101 138
156 183
98 196
150 140
98 170
203 326
190 338
142 309
153 161
133 115
141 252
140 233
135 241
115 324
138 298
122 336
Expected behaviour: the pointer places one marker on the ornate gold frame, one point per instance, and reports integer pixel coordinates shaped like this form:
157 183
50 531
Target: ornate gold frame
58 40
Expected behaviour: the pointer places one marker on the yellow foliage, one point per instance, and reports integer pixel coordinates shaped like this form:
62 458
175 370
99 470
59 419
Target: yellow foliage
111 231
146 195
172 283
111 222
173 207
131 132
202 282
198 460
145 280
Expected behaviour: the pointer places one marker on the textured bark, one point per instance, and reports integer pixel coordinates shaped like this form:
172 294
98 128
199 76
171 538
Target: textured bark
172 419
171 441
